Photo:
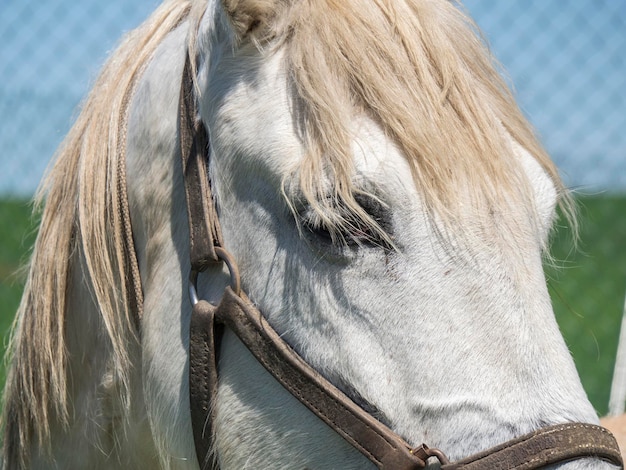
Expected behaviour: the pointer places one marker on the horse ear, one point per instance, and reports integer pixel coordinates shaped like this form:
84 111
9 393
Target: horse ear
252 16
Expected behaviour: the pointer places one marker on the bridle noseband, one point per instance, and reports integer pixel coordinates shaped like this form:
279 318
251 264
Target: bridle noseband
387 450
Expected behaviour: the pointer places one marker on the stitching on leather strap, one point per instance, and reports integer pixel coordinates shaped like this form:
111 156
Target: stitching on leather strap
555 444
204 231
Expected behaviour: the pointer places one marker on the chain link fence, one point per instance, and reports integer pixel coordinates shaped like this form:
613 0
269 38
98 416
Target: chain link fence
566 61
50 53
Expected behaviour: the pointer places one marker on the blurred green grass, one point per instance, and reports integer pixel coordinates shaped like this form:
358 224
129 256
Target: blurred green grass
17 234
587 286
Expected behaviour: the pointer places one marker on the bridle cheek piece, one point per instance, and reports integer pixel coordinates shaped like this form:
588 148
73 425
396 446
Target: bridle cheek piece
383 447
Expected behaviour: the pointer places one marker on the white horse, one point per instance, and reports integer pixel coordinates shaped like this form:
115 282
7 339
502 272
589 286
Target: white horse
388 207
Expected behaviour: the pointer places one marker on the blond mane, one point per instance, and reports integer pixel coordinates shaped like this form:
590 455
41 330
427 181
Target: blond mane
421 70
82 214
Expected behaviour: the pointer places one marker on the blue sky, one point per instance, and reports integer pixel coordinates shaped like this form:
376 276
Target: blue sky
566 61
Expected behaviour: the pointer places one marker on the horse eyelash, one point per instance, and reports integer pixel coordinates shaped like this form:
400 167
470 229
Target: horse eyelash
353 231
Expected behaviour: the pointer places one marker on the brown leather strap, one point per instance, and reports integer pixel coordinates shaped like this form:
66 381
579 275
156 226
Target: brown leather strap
203 350
204 230
377 442
204 237
547 446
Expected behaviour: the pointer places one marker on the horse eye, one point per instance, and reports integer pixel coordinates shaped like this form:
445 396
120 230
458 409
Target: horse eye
349 234
351 230
319 230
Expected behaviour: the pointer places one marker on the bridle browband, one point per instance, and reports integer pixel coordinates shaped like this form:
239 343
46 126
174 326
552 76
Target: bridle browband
377 442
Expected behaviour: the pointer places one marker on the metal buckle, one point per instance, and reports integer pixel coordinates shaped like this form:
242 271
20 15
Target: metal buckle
225 257
424 453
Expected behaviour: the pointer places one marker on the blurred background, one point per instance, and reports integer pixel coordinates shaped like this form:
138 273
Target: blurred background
565 60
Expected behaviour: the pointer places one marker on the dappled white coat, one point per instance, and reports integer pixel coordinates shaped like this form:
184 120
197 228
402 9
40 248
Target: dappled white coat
455 348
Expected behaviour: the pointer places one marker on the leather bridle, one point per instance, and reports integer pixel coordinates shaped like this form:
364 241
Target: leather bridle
383 447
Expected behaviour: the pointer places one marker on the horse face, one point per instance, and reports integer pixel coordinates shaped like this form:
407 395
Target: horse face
445 335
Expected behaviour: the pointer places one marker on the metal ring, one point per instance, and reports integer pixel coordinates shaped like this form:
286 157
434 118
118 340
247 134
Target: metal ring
193 292
235 281
226 257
